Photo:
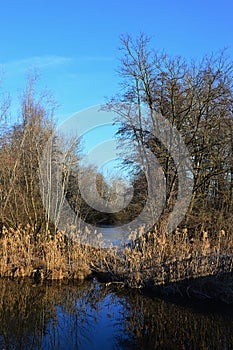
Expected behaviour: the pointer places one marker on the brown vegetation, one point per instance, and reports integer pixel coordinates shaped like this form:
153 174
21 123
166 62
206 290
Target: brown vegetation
156 260
197 100
149 262
52 256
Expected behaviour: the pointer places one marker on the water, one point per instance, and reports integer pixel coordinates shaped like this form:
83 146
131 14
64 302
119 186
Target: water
115 236
92 316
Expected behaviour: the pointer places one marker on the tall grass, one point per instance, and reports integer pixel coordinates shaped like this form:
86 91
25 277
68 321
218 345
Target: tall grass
48 256
151 257
164 259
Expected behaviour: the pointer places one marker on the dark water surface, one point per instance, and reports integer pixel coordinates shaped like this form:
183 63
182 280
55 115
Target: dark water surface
92 316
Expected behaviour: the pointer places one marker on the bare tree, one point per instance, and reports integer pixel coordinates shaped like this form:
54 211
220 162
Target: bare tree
22 150
196 98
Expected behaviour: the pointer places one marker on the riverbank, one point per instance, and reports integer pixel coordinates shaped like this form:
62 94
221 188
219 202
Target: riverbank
177 267
209 289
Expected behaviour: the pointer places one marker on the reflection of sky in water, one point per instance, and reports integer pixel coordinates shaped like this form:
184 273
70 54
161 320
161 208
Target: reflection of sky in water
93 316
100 322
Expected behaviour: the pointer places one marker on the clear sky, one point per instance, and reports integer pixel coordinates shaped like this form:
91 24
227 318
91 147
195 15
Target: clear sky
74 44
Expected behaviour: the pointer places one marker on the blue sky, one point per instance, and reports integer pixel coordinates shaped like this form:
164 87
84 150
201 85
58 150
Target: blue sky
74 44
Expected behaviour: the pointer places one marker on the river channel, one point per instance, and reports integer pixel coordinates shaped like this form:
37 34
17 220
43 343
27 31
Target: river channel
90 315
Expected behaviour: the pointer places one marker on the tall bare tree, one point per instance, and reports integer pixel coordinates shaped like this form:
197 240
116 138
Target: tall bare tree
196 98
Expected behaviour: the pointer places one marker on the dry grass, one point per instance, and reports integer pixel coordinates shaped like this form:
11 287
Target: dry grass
169 259
49 257
152 257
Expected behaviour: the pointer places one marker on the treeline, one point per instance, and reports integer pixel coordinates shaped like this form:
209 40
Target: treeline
196 97
23 147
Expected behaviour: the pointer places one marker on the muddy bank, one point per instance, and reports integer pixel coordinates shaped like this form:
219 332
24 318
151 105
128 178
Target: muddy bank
209 289
216 289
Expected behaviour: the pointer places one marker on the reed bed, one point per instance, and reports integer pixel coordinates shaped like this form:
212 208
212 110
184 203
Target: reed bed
152 258
50 256
158 259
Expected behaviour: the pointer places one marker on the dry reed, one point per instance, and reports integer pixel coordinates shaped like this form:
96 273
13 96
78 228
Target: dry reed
151 257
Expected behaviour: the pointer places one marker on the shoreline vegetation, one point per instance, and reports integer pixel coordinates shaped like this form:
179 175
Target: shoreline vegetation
41 168
174 267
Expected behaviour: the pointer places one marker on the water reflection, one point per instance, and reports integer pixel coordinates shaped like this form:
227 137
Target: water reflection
90 316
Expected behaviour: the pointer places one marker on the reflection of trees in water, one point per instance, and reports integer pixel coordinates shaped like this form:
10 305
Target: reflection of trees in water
38 316
59 316
156 324
25 311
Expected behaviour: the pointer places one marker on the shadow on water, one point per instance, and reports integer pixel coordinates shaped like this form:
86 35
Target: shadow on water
92 316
